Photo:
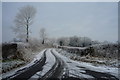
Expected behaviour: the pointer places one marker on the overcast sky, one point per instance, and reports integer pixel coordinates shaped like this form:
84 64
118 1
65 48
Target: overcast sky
0 22
97 20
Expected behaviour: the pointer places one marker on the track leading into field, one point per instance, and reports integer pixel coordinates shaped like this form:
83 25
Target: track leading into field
30 71
57 71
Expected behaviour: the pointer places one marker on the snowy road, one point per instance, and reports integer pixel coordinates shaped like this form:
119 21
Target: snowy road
54 65
28 72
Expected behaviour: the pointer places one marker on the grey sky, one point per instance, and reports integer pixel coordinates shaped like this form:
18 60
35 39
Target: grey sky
96 20
0 22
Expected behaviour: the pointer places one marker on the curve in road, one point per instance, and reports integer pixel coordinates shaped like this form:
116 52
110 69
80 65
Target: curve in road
56 71
30 71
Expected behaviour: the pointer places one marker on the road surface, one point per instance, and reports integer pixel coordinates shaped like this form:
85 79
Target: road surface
61 69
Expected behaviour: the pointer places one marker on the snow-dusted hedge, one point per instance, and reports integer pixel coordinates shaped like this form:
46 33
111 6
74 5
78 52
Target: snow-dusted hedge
8 50
24 52
34 44
82 51
18 50
105 51
90 59
9 65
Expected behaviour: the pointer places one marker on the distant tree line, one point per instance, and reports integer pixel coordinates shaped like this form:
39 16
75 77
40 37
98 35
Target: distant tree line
76 41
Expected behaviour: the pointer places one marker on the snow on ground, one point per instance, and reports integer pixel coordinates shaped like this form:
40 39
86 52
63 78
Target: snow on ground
17 70
69 55
74 71
77 68
94 60
50 61
69 47
11 64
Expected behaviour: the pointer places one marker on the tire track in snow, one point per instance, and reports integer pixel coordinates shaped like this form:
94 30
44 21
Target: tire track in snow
56 70
30 71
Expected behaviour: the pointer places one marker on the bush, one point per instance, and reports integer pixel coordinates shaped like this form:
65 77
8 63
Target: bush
8 50
107 51
24 52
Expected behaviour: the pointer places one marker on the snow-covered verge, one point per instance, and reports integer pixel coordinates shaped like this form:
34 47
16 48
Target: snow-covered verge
24 52
24 67
78 68
50 61
108 51
14 51
21 50
9 65
89 59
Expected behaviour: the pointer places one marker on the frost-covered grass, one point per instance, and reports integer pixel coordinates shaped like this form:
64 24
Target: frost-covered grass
77 68
108 51
26 53
23 67
22 50
9 65
29 50
89 59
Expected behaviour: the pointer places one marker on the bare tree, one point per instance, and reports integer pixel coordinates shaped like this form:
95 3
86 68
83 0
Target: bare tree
23 20
79 41
43 35
63 41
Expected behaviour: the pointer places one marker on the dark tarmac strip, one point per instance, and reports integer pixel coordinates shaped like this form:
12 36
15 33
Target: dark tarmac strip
101 76
25 75
56 71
